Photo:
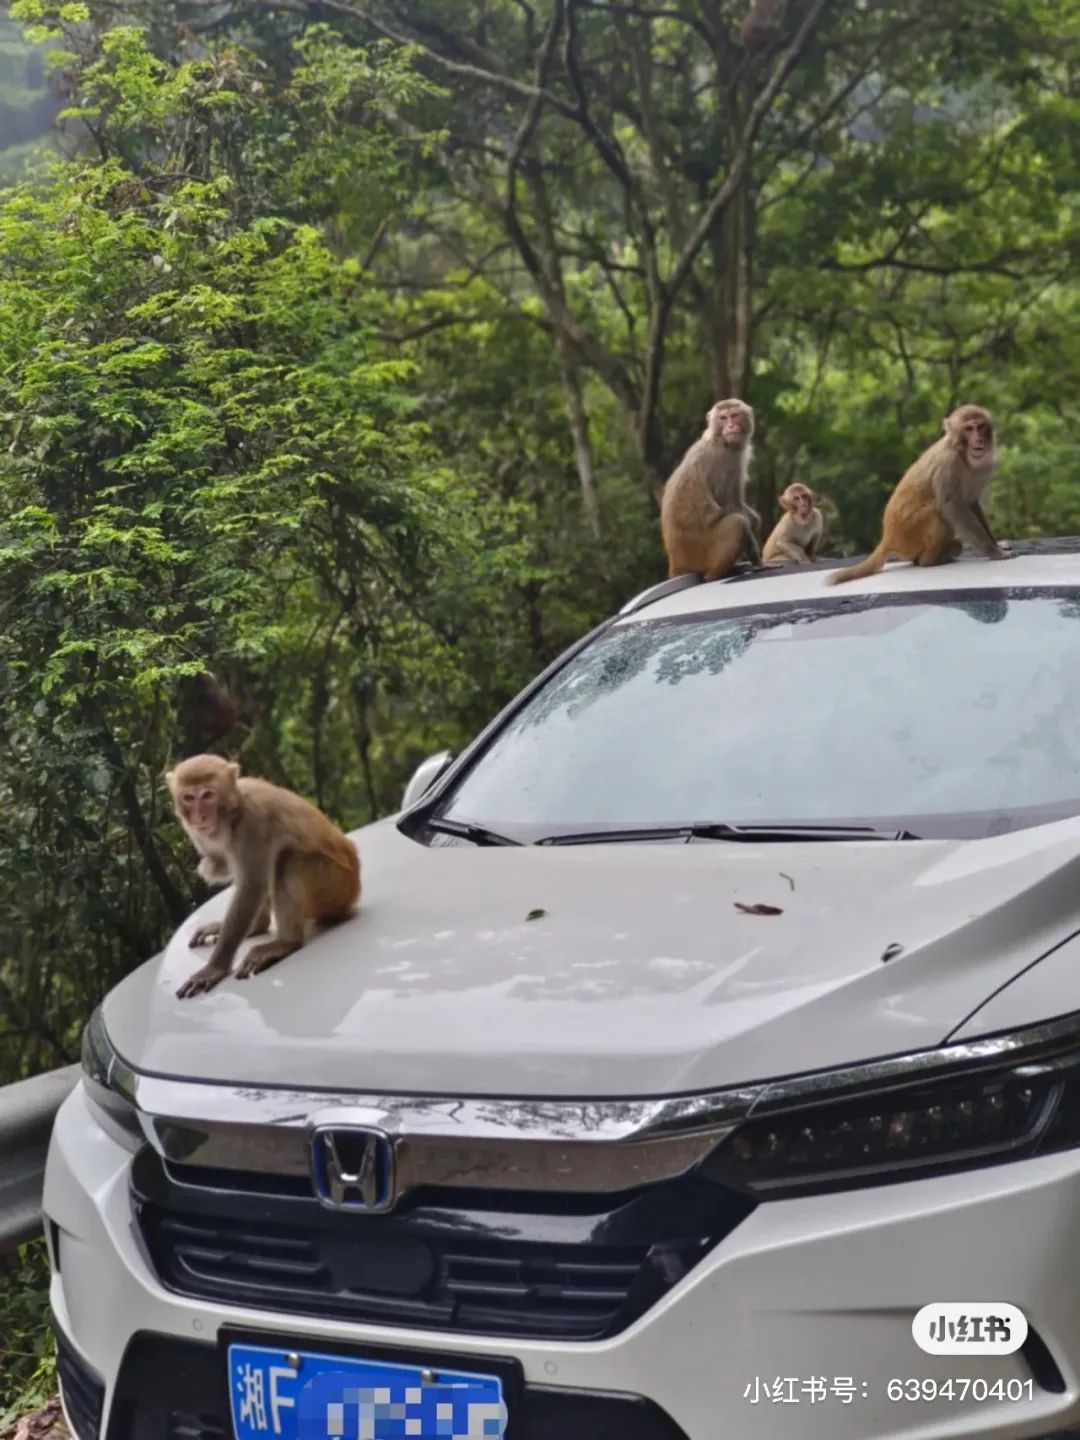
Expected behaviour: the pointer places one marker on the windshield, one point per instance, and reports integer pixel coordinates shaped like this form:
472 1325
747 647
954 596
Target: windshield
952 714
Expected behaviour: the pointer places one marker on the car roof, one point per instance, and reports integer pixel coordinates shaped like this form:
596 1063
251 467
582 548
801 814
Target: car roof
1035 563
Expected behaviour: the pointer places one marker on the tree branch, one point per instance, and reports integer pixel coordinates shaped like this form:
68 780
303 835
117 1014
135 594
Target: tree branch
648 12
429 327
658 323
353 10
376 242
758 111
919 267
616 162
531 118
608 150
561 317
175 904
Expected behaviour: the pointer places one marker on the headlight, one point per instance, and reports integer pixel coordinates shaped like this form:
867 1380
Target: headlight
109 1082
1003 1099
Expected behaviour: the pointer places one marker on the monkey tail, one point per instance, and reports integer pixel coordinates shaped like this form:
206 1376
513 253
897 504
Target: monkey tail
870 566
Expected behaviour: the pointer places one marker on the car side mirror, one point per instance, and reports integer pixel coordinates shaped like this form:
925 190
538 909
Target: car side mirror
424 776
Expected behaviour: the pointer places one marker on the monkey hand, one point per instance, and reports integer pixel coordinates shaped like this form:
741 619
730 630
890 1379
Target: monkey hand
1002 553
205 933
202 981
261 957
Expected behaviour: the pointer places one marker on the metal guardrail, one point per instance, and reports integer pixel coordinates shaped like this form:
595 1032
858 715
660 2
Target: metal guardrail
27 1111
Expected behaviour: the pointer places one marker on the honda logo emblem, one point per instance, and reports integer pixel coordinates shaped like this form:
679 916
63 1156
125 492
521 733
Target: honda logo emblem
352 1168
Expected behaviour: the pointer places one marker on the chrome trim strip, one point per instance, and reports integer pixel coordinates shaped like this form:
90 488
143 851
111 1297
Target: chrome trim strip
558 1121
578 1167
574 1146
584 1148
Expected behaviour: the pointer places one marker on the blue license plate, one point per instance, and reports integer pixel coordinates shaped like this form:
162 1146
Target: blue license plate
301 1395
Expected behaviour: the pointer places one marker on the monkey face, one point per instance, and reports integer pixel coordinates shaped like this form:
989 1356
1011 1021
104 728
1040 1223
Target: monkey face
204 793
971 430
732 421
799 499
200 809
978 436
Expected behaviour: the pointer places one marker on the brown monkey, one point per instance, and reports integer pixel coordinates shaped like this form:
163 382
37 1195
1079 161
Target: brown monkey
704 518
937 504
763 23
280 851
206 710
798 531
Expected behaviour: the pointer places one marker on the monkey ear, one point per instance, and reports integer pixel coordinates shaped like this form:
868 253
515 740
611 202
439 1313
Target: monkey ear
234 769
169 776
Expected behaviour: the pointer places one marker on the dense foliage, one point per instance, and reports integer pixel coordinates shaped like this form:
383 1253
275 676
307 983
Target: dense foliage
340 363
27 1366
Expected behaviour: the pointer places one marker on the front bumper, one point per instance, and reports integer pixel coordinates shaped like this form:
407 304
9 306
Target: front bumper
804 1294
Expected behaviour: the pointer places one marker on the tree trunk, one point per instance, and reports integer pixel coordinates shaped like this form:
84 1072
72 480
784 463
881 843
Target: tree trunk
579 432
569 369
732 246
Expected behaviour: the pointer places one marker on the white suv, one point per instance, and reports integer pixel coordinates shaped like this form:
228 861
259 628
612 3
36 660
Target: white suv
713 1013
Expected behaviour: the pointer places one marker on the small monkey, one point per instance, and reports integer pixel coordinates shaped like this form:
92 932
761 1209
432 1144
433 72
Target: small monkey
279 850
763 23
798 531
937 503
704 518
206 710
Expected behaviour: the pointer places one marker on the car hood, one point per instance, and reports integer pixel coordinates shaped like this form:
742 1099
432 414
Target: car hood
618 969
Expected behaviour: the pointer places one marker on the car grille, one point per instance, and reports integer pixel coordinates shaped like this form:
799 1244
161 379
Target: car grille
441 1264
541 1289
83 1393
188 1425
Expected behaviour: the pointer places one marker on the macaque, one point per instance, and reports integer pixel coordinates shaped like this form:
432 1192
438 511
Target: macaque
281 852
206 710
705 521
937 504
763 24
798 531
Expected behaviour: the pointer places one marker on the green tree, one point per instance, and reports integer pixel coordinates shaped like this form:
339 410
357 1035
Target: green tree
871 201
212 472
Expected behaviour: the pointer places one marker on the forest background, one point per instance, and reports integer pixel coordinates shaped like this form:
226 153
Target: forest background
345 345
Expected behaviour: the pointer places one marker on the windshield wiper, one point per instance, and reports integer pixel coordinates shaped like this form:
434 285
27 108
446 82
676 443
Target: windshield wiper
720 830
478 834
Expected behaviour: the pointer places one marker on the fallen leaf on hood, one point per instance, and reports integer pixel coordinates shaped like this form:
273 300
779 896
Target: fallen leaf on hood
758 909
536 915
